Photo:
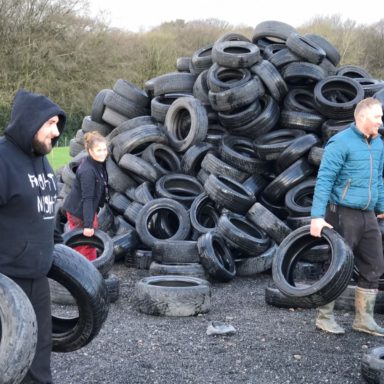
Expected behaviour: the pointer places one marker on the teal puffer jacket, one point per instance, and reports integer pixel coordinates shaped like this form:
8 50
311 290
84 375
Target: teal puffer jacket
350 173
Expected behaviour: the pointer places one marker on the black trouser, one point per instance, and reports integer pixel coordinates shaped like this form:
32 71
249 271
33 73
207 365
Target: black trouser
361 232
38 292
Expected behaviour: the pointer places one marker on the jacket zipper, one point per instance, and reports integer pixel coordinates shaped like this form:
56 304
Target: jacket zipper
346 189
370 175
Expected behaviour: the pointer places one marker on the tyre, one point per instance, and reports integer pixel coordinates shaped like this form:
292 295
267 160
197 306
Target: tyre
99 240
271 224
87 286
112 284
334 280
175 251
173 295
254 265
162 219
180 269
216 257
18 332
372 365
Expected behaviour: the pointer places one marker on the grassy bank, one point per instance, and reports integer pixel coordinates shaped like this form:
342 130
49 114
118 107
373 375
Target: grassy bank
58 157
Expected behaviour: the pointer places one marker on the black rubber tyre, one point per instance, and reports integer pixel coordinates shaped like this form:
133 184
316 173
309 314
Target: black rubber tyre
99 240
372 365
175 251
162 157
117 179
298 148
298 199
253 265
270 145
296 173
305 48
270 223
131 92
331 51
271 78
87 286
203 214
180 269
239 233
235 54
334 280
192 158
180 187
327 96
272 31
137 166
112 284
163 208
276 298
186 123
229 193
216 257
18 332
124 243
173 295
215 165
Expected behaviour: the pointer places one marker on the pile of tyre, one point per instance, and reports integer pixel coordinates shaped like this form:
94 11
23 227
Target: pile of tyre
213 166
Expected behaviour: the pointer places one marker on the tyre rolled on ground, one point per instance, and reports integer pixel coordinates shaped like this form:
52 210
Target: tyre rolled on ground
334 280
87 286
173 295
18 332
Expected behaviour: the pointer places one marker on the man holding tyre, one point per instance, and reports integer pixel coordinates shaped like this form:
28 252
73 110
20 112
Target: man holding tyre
28 193
349 197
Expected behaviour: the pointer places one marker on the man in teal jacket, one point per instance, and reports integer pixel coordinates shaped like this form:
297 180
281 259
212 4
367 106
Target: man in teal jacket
349 196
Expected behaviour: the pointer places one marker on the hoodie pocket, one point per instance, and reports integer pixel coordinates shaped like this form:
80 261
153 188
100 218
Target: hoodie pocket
345 190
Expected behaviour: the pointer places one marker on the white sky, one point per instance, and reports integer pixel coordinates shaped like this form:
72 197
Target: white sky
136 15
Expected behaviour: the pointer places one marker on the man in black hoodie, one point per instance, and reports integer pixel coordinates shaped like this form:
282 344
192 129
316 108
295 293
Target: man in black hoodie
27 196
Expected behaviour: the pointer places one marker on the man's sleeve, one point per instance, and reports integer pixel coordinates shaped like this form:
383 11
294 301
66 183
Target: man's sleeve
379 208
331 163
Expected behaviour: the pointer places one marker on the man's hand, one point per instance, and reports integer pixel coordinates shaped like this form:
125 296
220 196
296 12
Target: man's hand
380 216
317 226
88 232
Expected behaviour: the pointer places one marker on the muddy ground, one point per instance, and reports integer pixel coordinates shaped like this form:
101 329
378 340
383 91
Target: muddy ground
271 345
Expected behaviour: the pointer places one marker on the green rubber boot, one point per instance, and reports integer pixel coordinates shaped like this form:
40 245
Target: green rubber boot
364 307
326 320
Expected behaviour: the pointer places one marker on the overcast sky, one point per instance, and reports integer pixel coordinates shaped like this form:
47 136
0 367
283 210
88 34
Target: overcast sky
144 14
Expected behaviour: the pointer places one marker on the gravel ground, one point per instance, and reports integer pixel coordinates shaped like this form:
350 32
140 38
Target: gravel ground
271 345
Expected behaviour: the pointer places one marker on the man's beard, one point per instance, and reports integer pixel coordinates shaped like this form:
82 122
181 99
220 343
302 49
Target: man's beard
40 148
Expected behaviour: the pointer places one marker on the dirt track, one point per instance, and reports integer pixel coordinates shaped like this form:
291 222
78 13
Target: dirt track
270 346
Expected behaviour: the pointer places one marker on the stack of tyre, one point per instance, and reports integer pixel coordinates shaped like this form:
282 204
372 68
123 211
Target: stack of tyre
219 158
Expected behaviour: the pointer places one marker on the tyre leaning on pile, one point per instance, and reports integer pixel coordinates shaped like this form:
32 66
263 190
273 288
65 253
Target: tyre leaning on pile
85 283
18 332
332 283
173 295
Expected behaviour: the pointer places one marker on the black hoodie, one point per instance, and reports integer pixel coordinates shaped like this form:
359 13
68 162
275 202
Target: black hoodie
27 190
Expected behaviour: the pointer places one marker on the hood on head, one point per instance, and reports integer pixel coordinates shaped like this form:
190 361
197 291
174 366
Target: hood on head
29 113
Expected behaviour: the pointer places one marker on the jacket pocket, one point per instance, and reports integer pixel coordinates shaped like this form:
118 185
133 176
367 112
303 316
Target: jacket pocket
345 190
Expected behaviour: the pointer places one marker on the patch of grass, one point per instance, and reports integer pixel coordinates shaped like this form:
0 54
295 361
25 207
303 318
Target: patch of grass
58 157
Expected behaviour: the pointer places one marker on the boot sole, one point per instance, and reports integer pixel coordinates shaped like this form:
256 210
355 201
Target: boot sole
328 331
367 331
